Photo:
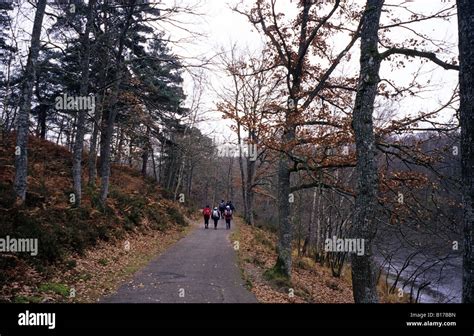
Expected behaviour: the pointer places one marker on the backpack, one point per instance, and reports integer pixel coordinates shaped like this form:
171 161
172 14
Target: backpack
228 214
207 212
215 214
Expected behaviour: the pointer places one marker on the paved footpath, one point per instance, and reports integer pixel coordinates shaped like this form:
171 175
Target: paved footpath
200 268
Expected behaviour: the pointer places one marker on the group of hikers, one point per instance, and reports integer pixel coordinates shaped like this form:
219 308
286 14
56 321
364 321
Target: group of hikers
223 211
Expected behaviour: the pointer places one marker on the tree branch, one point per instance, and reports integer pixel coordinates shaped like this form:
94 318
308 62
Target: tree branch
416 53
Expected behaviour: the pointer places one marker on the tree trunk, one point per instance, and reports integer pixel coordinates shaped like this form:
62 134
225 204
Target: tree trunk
21 159
230 189
144 161
160 163
99 110
120 140
283 263
60 131
154 163
364 279
308 243
251 163
249 190
180 172
92 164
71 131
42 114
14 117
171 172
82 114
130 151
320 231
297 218
466 111
145 153
242 176
7 96
190 179
112 112
105 147
216 190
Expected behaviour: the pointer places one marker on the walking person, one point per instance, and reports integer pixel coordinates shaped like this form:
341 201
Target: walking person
228 217
222 208
229 204
206 212
216 215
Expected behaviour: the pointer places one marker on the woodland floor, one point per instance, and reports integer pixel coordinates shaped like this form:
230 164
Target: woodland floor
311 282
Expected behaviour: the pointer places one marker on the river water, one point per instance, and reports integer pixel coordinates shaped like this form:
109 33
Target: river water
429 264
445 277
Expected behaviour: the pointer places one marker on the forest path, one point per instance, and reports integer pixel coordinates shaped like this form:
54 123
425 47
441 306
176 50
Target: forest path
200 268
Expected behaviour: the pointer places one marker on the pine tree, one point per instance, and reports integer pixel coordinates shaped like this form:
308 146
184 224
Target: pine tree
21 155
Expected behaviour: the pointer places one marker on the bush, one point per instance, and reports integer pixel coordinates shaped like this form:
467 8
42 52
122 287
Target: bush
131 207
8 197
176 216
58 232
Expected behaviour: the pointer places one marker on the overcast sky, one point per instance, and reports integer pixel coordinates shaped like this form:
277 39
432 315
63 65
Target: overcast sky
224 27
220 27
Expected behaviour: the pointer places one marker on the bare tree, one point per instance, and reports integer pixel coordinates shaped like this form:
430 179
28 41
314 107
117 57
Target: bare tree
292 55
246 101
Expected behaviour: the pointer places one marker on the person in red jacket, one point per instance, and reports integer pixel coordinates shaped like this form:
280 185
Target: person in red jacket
206 212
